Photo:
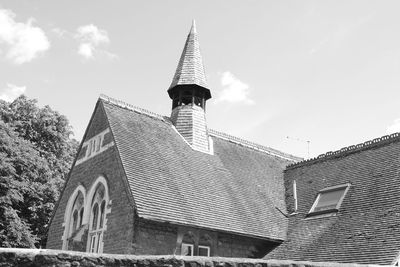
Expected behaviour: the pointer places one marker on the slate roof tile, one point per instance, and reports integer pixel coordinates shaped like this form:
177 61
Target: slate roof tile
190 68
367 226
235 190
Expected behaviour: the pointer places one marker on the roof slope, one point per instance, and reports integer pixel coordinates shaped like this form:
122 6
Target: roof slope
367 227
235 190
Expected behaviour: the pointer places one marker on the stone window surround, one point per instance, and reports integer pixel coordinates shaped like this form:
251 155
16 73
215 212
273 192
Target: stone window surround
87 208
69 213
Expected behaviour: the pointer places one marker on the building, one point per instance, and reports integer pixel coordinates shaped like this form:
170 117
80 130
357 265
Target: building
143 183
348 205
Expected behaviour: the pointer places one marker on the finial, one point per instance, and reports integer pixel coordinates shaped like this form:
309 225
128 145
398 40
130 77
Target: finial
193 29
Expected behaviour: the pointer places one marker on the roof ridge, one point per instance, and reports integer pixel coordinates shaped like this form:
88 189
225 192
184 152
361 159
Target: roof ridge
347 150
131 107
212 132
253 145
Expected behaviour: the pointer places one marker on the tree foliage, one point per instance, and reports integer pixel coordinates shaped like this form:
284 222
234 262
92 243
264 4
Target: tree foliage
36 152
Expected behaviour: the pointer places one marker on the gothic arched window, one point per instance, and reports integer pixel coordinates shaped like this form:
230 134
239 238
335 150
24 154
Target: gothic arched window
73 216
97 218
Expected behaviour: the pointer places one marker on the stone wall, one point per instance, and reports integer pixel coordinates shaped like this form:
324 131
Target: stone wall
47 258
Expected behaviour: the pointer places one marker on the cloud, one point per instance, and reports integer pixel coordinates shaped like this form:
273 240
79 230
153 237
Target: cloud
59 32
233 90
394 127
11 92
22 42
91 40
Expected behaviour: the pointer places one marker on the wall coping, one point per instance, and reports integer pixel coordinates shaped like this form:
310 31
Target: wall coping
48 257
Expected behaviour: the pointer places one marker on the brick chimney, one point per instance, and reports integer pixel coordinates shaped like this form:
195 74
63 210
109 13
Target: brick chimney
189 93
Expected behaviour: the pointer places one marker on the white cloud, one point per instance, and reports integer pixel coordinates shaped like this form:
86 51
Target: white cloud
394 128
233 90
59 32
91 40
22 42
11 92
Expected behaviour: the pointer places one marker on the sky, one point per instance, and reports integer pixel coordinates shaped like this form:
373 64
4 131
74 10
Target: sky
281 73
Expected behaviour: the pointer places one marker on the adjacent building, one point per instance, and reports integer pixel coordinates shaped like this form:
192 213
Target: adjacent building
348 205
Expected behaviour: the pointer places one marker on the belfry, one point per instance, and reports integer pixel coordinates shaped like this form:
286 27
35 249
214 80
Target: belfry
189 92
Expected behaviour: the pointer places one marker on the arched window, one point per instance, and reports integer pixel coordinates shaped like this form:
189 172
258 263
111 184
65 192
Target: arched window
73 216
81 216
74 220
97 219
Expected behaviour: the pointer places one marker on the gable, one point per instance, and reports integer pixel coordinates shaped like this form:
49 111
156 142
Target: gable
173 183
104 162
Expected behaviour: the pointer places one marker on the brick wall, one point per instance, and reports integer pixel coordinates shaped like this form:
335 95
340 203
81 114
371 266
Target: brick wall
153 238
118 237
243 247
42 257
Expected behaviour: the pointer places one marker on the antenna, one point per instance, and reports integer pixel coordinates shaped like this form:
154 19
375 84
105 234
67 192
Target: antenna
301 140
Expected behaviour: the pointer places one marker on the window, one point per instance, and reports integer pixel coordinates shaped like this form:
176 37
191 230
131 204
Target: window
187 249
96 230
73 217
329 200
204 251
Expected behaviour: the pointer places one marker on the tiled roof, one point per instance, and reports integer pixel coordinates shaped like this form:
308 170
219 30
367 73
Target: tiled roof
367 227
190 69
237 189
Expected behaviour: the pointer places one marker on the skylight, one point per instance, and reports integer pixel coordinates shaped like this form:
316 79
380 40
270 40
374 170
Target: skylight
329 200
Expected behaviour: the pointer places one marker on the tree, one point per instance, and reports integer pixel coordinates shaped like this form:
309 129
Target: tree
36 152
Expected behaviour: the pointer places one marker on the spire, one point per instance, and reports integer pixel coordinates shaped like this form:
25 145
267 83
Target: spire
189 93
193 29
190 70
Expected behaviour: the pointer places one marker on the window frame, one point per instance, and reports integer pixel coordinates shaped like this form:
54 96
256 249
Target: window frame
204 247
95 239
188 245
346 188
97 227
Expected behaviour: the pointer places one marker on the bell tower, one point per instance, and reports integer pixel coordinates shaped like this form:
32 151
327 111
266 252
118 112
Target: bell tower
189 92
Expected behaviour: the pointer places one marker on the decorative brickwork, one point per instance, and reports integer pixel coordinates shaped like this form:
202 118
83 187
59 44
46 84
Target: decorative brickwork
95 145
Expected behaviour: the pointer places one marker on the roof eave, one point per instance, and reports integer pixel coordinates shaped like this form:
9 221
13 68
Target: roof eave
276 240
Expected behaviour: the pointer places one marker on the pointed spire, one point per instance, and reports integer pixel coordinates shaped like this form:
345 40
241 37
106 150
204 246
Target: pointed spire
193 29
190 70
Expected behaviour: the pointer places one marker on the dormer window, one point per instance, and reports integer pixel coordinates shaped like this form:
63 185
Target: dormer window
329 200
